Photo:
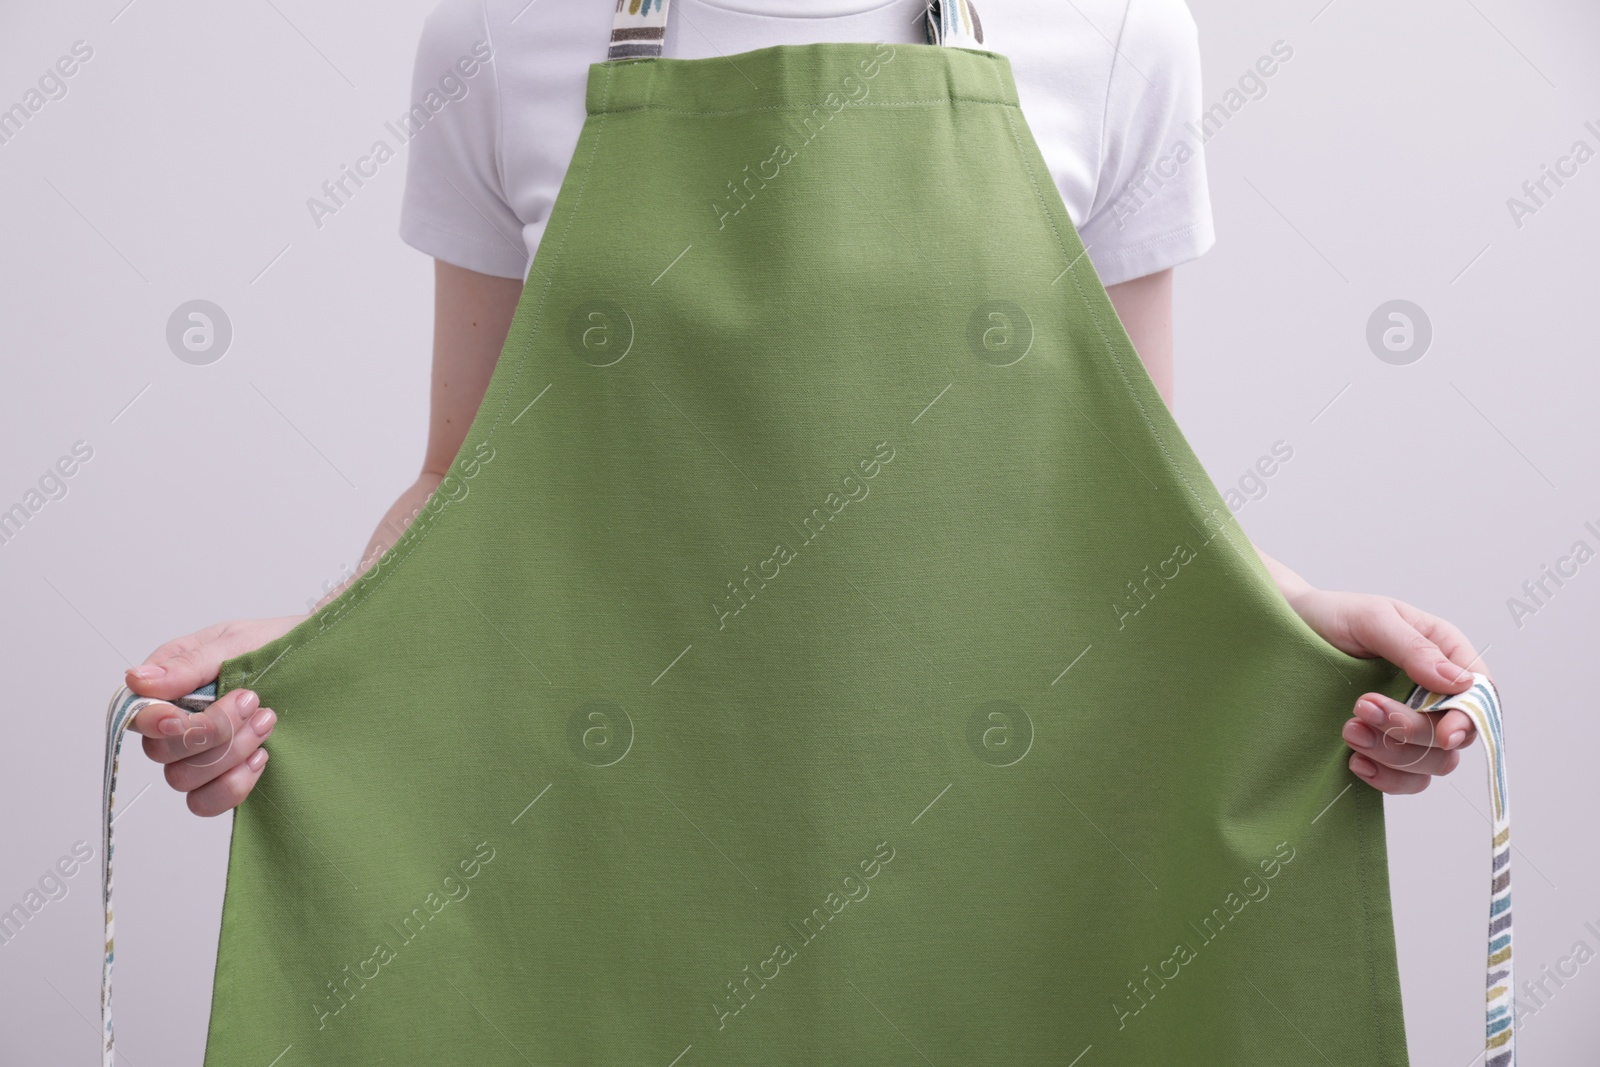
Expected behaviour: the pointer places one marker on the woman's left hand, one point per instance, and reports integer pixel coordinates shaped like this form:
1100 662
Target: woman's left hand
1398 749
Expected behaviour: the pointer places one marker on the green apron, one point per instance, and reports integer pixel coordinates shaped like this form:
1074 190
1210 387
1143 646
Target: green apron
826 648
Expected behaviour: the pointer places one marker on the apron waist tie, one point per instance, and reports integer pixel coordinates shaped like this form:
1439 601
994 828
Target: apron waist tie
1480 703
125 704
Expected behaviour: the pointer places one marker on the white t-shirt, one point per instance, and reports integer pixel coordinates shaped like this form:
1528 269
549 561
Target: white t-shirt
1110 89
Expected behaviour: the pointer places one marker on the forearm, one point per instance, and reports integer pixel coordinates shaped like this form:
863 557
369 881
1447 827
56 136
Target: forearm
1145 307
1290 584
394 522
472 315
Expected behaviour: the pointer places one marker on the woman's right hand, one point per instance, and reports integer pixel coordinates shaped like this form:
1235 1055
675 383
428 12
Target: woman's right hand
214 756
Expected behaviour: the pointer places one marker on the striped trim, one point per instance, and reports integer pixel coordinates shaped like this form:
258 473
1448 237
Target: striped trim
1481 703
125 704
953 23
639 28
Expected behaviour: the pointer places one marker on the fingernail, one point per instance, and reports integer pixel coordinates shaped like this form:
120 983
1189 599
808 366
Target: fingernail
258 759
1451 672
172 725
247 701
1371 712
1360 735
1455 738
1363 766
145 672
262 723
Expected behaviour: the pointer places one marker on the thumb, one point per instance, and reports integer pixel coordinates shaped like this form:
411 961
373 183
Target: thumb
1388 633
181 666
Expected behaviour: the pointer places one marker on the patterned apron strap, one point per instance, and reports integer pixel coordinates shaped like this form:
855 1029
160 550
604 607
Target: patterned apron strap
639 29
124 706
1481 703
953 23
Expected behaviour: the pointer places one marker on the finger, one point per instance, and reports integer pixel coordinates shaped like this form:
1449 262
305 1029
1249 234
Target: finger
158 720
1387 779
228 790
1418 759
192 773
1401 723
187 663
205 731
1454 729
1390 634
1451 641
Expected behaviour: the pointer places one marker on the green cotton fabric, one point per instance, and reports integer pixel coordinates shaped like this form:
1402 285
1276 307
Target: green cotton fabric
826 649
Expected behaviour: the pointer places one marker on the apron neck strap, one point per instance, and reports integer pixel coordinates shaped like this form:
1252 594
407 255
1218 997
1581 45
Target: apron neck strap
639 29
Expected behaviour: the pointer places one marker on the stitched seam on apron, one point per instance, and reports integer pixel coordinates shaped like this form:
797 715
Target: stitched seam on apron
601 115
1365 851
1233 529
1363 828
1094 317
522 360
943 100
212 1017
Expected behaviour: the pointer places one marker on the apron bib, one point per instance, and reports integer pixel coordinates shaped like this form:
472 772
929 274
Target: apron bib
826 649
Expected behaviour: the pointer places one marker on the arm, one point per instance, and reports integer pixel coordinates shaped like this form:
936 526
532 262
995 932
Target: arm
1145 307
471 317
216 756
1397 750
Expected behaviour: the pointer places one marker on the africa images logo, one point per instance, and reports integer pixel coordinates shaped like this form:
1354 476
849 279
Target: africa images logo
454 85
852 888
852 489
853 89
344 987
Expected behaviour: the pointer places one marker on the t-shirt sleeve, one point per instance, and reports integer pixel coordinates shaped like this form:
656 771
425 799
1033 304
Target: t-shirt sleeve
1152 206
455 206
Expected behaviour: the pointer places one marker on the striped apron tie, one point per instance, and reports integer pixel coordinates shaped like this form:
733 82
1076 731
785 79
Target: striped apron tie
1481 703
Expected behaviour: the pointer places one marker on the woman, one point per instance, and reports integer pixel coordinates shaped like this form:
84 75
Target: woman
1108 95
810 530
